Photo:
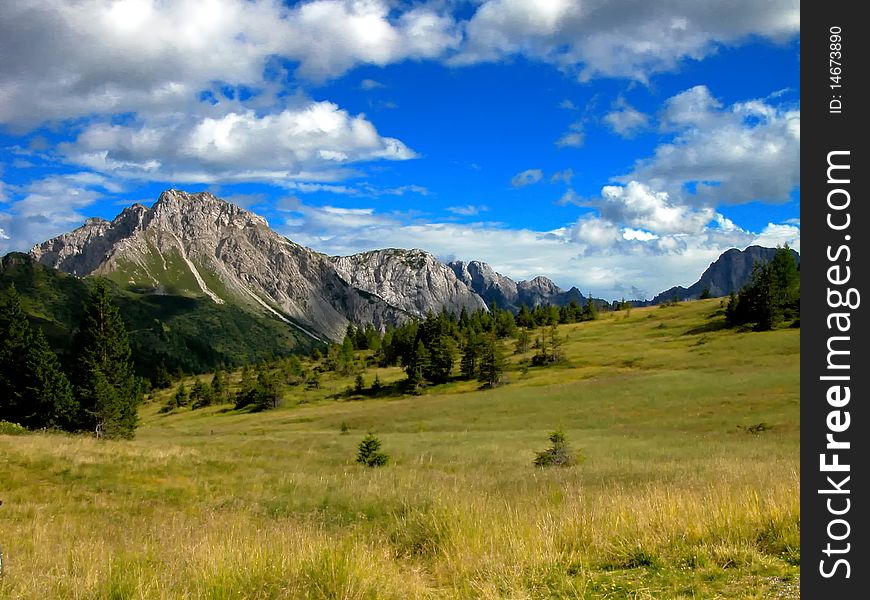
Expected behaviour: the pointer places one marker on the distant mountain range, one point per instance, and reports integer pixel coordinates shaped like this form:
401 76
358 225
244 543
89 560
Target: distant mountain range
214 257
727 274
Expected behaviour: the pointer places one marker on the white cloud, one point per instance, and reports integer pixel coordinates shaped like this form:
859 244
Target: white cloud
567 105
749 151
467 210
777 234
49 207
370 84
573 138
638 234
636 205
620 38
315 141
62 59
625 120
567 175
527 177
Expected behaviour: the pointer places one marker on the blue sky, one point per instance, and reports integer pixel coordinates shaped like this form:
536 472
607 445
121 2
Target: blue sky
613 145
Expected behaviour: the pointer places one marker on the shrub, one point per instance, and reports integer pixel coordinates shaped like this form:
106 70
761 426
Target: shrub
557 455
7 428
369 453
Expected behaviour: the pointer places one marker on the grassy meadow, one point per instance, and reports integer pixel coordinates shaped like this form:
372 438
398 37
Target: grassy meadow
688 487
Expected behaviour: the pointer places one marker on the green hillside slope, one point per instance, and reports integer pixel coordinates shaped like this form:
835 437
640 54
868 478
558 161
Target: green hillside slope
184 333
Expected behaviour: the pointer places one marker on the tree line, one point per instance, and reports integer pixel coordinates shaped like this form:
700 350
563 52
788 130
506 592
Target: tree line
772 295
99 391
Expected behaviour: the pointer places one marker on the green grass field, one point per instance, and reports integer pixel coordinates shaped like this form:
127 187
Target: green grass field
678 496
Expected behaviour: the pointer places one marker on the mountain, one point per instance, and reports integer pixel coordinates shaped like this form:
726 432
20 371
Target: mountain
412 280
198 246
728 273
504 292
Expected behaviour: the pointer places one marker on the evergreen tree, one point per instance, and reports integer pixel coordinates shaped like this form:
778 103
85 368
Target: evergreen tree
34 391
14 340
441 356
200 395
524 340
369 452
181 397
471 351
590 313
49 392
524 318
267 393
105 384
492 362
247 388
218 387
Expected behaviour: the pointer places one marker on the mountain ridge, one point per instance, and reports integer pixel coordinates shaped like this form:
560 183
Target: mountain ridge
197 245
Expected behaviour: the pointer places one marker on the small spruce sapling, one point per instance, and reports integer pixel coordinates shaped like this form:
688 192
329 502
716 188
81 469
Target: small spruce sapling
369 453
559 454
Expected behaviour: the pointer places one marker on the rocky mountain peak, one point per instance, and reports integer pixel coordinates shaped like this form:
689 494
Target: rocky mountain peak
413 280
176 208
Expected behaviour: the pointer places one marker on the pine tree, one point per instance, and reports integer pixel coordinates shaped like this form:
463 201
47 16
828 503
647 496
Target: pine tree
492 362
524 340
105 384
471 350
369 453
34 391
49 392
442 355
14 340
181 397
218 387
200 395
590 312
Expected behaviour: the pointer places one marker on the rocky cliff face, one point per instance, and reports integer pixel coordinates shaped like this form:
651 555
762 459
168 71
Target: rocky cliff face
728 273
412 280
504 292
493 287
197 244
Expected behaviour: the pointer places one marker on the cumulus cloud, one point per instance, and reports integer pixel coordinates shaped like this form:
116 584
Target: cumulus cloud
620 38
527 177
315 141
636 205
625 120
574 138
468 210
62 59
749 151
49 207
567 175
370 84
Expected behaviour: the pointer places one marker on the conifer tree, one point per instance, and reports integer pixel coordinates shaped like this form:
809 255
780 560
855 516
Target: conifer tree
49 393
34 391
471 350
218 387
492 362
14 339
200 395
105 384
